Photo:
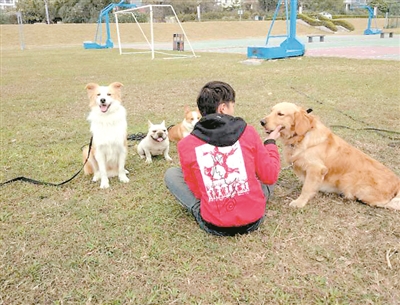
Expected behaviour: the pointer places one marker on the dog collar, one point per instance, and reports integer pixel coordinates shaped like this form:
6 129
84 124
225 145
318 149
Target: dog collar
293 140
269 141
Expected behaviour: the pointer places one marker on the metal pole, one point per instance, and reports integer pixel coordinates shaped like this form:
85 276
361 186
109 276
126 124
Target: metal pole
119 38
47 11
21 31
199 13
151 32
293 18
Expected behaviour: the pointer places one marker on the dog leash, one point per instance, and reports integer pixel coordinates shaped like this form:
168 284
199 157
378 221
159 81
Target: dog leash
136 136
377 130
133 137
24 179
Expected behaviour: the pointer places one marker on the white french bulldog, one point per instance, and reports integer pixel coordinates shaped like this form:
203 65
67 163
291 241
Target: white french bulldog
155 143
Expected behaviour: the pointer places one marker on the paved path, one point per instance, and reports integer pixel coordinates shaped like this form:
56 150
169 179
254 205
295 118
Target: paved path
349 46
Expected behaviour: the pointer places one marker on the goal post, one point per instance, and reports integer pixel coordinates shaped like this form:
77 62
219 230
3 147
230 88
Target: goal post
136 37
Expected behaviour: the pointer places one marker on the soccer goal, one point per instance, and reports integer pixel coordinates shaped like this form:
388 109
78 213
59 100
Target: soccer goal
153 29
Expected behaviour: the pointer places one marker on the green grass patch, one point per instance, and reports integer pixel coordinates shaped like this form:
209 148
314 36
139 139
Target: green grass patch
132 243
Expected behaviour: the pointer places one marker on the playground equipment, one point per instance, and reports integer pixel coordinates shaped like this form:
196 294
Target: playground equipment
149 45
104 15
369 30
21 30
290 47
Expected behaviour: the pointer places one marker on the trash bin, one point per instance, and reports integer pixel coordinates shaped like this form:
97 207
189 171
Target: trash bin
178 42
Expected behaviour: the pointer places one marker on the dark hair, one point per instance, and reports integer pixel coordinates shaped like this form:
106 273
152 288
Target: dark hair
212 95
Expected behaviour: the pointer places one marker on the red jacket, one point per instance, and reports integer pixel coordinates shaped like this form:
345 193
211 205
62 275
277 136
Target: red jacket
223 161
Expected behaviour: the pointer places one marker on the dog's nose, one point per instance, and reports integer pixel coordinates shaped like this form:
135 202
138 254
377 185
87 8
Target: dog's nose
102 100
262 122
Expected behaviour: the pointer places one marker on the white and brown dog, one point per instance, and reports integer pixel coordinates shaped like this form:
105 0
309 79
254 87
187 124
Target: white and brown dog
155 143
183 129
108 125
325 162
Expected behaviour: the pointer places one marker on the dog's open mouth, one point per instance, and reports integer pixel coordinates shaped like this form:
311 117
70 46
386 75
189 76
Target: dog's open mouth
159 139
104 107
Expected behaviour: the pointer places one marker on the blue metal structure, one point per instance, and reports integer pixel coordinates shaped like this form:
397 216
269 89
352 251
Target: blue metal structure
290 47
104 15
369 30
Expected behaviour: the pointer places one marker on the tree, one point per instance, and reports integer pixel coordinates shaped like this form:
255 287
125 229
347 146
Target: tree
333 6
184 7
74 11
32 10
81 11
267 5
382 5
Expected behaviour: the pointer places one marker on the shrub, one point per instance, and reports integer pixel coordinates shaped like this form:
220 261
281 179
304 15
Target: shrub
348 16
309 20
246 15
187 17
329 24
8 17
141 18
344 23
321 21
212 15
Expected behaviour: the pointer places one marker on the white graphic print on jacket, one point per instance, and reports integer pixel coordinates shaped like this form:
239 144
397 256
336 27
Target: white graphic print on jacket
223 170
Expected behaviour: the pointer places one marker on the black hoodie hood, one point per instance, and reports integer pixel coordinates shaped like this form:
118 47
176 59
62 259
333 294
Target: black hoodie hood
219 129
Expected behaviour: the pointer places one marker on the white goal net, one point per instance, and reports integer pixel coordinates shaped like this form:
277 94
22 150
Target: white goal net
153 29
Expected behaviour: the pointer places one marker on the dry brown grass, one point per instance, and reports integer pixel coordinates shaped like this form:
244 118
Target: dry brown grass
132 244
42 35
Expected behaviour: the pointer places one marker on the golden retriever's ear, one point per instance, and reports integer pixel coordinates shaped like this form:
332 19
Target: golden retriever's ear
302 122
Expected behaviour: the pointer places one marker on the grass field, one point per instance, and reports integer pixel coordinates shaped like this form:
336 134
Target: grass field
132 243
69 35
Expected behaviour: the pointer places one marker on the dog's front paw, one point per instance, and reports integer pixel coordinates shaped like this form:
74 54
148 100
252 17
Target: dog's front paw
123 178
298 203
168 158
104 184
148 161
96 177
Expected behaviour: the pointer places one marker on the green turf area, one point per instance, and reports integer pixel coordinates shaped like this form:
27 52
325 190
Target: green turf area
132 243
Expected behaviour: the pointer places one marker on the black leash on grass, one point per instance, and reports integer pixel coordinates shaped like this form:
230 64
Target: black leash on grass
133 137
136 136
33 181
378 130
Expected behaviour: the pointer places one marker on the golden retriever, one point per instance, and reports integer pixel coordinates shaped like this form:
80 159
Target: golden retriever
325 162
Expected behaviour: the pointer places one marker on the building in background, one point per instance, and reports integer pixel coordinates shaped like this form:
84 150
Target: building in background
351 4
7 3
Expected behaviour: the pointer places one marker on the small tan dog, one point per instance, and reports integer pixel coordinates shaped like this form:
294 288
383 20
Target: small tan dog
183 129
108 125
155 143
325 162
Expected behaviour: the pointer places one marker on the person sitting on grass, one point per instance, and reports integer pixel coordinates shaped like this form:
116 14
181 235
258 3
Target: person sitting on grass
227 174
